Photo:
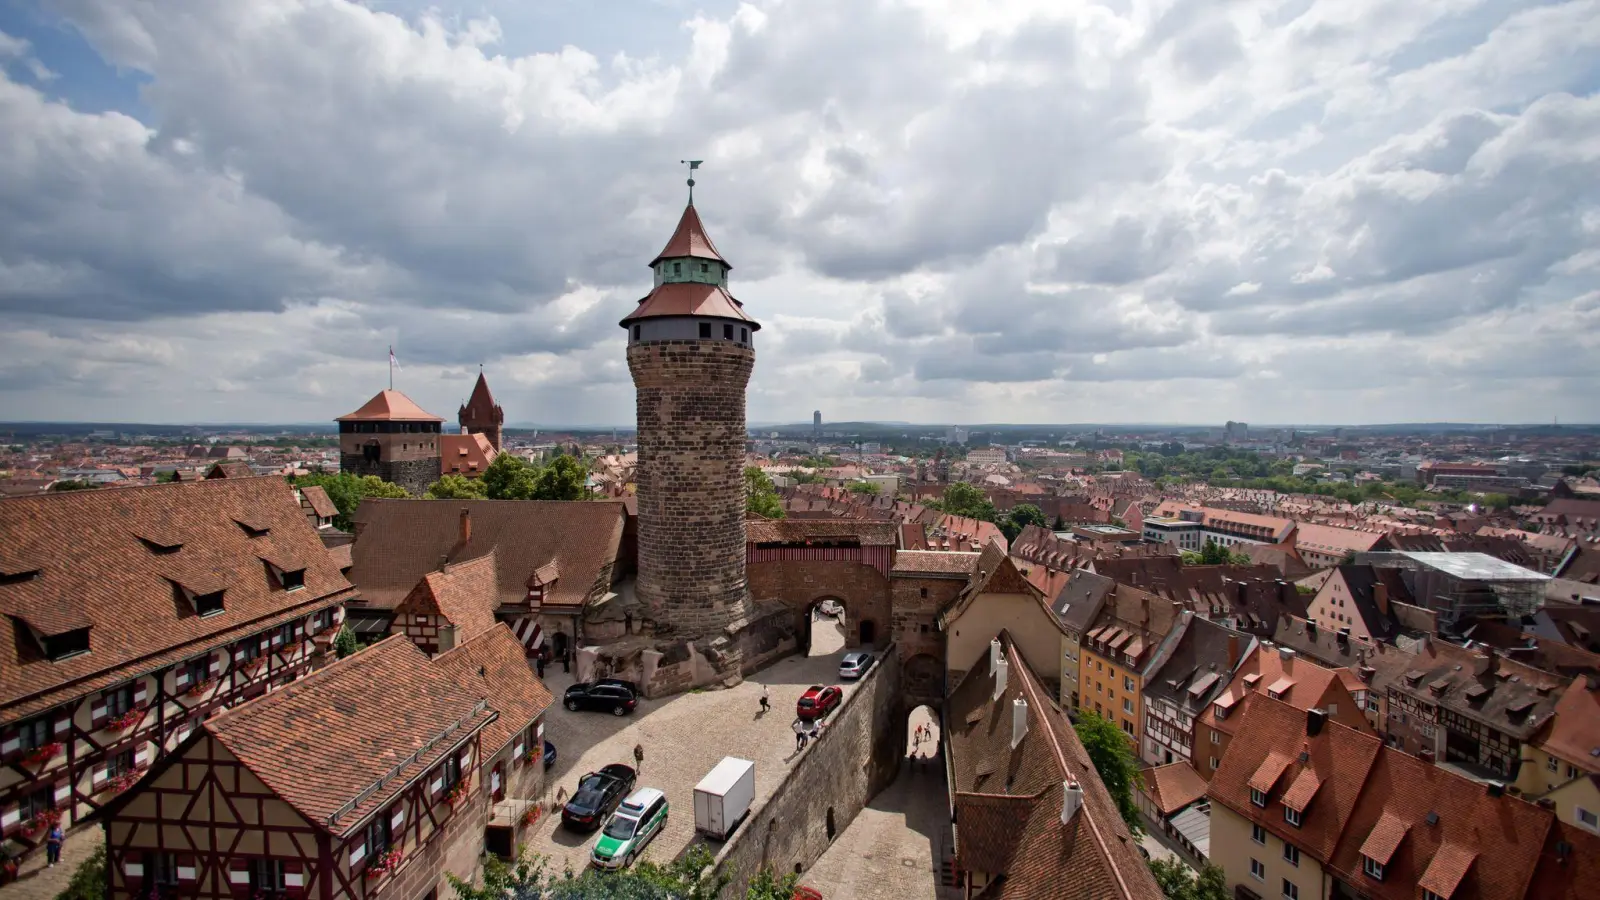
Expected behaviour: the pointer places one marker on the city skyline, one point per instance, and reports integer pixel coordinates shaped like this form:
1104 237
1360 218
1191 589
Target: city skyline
1073 213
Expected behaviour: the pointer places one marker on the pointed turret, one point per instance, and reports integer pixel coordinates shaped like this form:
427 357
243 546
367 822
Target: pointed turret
690 240
691 283
481 415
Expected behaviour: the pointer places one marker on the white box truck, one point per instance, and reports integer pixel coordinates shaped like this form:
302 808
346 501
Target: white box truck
723 797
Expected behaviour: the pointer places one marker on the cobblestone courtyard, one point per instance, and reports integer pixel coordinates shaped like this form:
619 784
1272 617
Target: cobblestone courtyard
683 737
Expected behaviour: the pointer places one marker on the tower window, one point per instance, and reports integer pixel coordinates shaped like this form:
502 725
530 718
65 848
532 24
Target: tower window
744 335
705 329
636 332
704 267
727 332
677 268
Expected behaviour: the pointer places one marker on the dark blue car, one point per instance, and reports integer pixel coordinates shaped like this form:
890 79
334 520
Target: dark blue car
549 754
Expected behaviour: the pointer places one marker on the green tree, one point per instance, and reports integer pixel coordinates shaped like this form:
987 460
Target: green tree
344 643
962 499
89 879
510 478
760 497
347 491
1215 554
1113 758
167 477
1021 516
769 885
457 487
1179 882
565 478
71 485
1497 501
862 487
527 879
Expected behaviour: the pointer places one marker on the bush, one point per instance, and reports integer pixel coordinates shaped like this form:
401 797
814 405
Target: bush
89 881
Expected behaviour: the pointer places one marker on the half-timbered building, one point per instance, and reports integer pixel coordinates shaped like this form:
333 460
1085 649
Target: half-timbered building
129 616
553 560
360 781
512 771
449 607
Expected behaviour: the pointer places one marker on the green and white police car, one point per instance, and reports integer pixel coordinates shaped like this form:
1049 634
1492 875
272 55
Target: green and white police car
636 821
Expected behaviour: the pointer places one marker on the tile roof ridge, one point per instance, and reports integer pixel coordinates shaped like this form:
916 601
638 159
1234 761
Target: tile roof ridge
300 686
1025 681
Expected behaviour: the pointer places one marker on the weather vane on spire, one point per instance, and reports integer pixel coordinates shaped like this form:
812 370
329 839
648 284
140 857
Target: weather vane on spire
692 164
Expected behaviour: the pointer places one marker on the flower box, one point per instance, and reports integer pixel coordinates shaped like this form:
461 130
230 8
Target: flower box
384 863
532 815
42 754
122 782
127 720
458 792
42 821
200 687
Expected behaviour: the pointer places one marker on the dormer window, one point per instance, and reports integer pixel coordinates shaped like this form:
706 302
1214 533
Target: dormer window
1259 798
1292 816
1372 867
208 604
65 645
292 580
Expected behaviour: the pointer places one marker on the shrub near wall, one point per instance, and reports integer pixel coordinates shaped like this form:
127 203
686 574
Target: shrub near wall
858 754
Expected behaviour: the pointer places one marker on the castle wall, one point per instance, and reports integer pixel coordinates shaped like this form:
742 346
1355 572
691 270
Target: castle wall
415 475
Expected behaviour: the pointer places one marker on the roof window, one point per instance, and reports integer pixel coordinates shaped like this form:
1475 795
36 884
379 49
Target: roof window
65 645
208 604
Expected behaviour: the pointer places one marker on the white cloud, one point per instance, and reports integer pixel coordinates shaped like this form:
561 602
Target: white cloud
1049 211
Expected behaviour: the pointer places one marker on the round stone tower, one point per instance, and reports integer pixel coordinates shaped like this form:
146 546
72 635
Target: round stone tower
690 350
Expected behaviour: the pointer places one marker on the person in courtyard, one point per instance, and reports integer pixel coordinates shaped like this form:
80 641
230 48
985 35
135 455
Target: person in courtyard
52 844
638 758
766 703
538 664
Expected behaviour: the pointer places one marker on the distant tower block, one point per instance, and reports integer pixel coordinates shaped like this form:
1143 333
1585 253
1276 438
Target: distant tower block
690 351
482 415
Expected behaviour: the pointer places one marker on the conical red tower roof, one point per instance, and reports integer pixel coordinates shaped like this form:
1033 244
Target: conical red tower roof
481 397
690 240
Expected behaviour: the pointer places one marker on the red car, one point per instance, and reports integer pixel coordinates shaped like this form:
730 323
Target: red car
818 701
805 893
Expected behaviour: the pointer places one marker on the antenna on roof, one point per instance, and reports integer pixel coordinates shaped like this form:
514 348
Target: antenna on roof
692 164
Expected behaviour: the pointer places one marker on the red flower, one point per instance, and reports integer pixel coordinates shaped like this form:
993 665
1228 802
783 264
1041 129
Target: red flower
42 754
199 687
127 720
385 862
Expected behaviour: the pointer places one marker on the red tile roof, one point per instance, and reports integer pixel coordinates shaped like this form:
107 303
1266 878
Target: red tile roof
320 502
1173 786
94 568
465 594
934 562
789 531
690 239
399 541
465 454
689 298
390 406
495 665
379 718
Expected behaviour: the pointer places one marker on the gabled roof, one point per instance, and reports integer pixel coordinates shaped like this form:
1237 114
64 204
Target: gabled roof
465 454
689 239
322 741
1008 800
95 569
935 562
465 594
1199 663
495 665
996 574
400 541
794 531
389 406
1173 786
1079 603
320 502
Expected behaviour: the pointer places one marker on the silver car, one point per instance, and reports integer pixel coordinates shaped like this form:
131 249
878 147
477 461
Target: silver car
854 665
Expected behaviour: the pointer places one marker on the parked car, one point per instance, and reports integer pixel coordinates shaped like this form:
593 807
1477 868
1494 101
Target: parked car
818 701
549 754
805 893
636 821
831 608
607 695
855 665
597 795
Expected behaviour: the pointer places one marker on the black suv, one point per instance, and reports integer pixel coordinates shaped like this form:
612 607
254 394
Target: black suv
612 695
598 795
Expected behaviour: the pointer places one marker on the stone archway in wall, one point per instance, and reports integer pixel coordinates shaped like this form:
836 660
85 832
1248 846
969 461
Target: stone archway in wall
922 681
824 626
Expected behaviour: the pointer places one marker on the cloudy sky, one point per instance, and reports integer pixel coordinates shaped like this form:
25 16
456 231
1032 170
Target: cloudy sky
940 210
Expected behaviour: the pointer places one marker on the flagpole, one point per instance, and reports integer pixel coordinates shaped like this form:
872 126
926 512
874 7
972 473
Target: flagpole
391 367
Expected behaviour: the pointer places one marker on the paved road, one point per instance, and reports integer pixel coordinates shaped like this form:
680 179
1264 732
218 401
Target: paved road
36 882
684 737
890 851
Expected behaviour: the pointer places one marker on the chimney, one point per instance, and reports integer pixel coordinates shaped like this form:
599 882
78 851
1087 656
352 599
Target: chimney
466 525
1494 789
999 679
1071 800
1380 596
1311 629
1315 718
1233 650
1019 721
994 655
1286 655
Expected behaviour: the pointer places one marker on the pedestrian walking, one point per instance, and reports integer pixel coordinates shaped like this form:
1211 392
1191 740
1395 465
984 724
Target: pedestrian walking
52 844
566 662
538 665
766 703
638 758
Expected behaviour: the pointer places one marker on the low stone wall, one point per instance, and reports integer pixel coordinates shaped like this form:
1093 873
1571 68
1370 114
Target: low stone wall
857 755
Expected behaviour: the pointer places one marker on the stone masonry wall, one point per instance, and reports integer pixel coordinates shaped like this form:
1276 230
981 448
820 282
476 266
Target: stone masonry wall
690 474
797 584
415 475
857 755
456 851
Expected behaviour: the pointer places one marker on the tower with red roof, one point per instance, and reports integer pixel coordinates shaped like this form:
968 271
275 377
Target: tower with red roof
690 351
391 437
481 415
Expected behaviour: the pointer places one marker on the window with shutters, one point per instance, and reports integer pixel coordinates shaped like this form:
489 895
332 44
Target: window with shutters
286 633
34 733
118 701
161 868
198 670
266 876
41 800
119 763
452 771
248 649
379 836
